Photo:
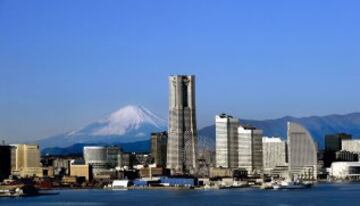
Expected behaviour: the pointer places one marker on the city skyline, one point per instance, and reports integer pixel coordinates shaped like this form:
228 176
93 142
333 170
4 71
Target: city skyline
80 61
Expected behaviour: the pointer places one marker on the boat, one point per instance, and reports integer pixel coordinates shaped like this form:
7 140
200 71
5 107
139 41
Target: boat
18 190
120 185
289 185
235 185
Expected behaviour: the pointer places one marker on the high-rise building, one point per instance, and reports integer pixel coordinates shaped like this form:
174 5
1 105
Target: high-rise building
226 141
333 141
182 139
159 148
250 149
333 144
5 161
302 153
25 160
274 153
113 156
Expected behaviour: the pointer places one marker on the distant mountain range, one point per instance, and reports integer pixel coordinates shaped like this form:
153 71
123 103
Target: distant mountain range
131 126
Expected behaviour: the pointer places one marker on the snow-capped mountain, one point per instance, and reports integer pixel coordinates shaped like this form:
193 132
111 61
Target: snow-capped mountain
128 124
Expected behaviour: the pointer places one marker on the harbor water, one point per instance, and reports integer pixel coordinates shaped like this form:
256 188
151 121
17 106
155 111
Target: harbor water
320 194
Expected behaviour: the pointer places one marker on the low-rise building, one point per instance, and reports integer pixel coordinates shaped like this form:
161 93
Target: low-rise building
81 170
153 172
220 172
345 170
346 156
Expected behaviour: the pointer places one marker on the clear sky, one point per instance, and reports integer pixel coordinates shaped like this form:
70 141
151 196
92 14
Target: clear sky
64 64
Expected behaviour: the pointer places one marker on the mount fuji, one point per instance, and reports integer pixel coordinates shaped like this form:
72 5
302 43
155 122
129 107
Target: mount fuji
128 124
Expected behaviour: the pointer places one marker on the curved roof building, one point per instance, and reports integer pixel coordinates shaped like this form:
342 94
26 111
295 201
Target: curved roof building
302 152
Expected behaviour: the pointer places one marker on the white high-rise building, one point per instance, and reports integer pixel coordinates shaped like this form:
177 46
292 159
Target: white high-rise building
274 153
250 155
226 141
302 153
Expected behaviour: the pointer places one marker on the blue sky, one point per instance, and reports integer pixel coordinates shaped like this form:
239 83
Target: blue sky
64 64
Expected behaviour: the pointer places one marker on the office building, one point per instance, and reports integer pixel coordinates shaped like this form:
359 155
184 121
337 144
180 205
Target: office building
333 141
333 144
182 139
102 158
352 145
5 161
113 156
81 170
274 153
25 160
226 141
250 155
302 153
346 156
159 148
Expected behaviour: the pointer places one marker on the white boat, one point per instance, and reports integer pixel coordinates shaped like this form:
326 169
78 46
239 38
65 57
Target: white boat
120 185
291 185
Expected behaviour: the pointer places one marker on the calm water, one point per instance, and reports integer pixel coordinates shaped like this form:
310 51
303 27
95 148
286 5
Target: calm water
323 194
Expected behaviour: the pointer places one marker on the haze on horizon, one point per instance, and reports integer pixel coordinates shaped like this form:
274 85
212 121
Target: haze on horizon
64 64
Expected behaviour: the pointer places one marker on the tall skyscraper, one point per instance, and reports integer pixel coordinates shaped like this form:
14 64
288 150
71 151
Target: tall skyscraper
333 144
159 148
25 160
250 149
182 139
333 141
226 141
302 153
238 146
